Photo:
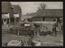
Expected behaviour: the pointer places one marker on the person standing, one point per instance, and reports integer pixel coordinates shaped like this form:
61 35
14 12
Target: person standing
54 29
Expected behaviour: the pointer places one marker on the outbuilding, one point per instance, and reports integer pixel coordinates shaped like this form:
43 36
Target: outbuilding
6 12
16 13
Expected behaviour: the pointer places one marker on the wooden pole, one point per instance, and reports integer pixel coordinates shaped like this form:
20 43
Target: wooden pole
3 21
38 32
9 21
18 32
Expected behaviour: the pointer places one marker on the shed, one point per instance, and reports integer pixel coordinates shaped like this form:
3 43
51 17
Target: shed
6 11
16 10
47 14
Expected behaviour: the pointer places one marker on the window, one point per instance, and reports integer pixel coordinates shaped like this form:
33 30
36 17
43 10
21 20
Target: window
43 18
6 15
5 18
17 19
16 15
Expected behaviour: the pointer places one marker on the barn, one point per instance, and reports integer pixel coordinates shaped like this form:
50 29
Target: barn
10 13
6 12
48 15
16 13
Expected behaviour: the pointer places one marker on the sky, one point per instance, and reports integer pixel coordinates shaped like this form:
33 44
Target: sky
31 7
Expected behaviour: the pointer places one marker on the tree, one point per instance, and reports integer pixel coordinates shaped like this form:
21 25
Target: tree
41 7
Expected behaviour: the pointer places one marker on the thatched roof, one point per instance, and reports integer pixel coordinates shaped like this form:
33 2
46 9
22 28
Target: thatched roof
16 9
6 7
49 13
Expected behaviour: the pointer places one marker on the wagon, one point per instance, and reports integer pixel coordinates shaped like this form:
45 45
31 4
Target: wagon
23 28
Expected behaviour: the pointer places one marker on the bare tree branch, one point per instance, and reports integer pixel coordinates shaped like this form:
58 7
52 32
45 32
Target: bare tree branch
41 7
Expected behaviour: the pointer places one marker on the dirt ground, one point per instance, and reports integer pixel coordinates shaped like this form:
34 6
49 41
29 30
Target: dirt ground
47 40
50 40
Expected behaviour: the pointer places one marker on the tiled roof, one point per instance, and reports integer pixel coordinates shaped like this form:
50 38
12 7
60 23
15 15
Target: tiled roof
50 13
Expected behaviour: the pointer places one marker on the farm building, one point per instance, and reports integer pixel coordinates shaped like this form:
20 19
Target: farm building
10 12
6 12
48 14
16 13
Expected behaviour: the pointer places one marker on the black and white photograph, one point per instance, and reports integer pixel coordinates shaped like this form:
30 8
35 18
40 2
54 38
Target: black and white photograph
32 24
